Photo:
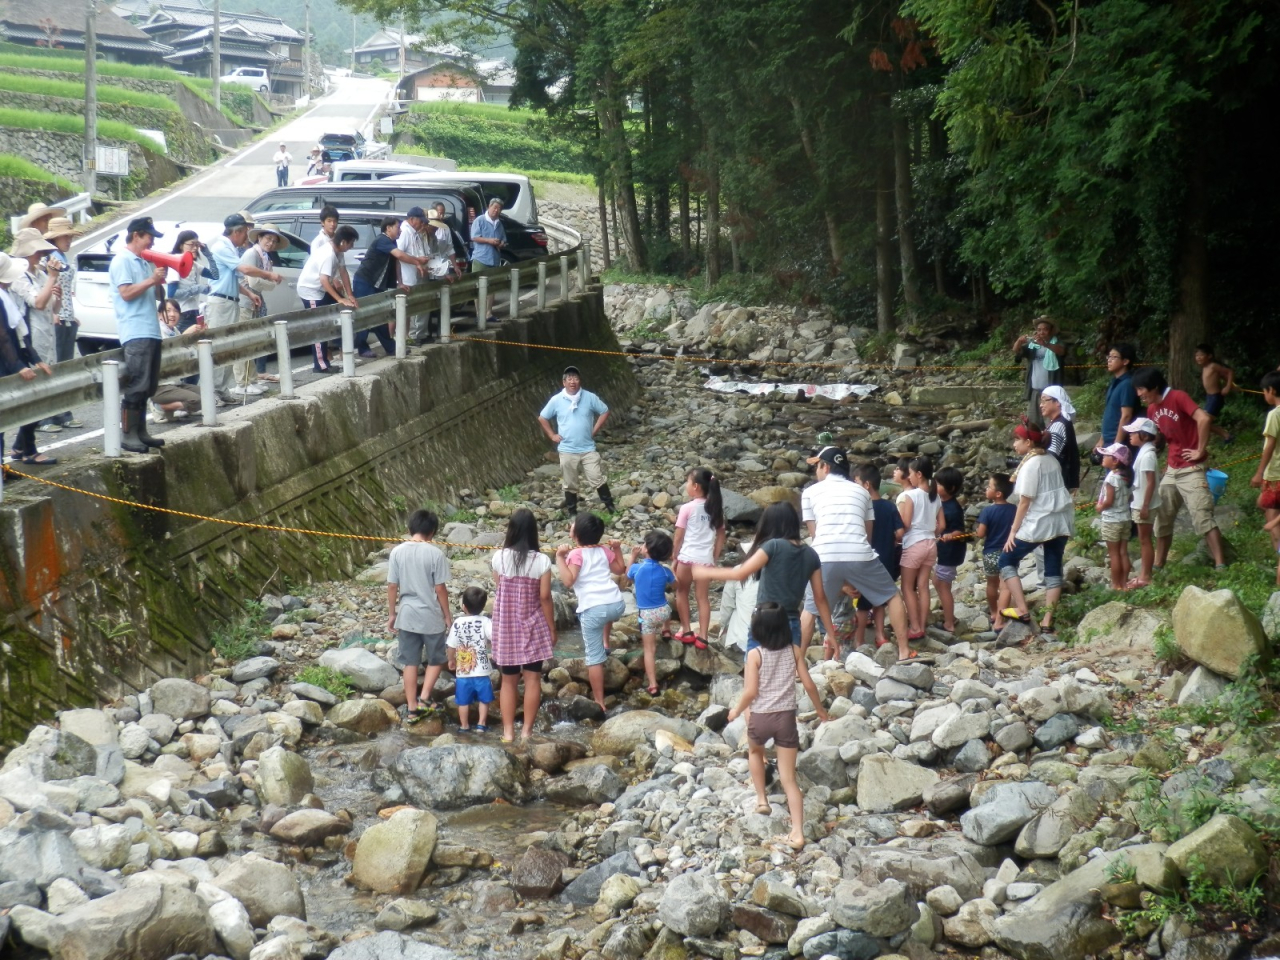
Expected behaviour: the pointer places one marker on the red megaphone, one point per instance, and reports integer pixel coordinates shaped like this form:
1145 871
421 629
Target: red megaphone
173 261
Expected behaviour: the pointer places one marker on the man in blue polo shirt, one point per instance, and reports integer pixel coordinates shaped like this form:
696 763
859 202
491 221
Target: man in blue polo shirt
1122 399
579 414
488 236
134 283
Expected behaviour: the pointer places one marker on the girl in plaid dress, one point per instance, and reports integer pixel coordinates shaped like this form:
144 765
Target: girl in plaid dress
524 620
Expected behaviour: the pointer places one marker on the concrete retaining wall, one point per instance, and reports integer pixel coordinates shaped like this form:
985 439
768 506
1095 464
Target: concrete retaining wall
102 599
60 154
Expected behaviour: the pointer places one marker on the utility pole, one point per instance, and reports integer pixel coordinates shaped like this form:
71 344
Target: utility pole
91 97
215 62
306 51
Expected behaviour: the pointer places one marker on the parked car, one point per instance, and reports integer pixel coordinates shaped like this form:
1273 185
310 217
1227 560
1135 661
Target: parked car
355 171
95 308
352 143
513 189
256 77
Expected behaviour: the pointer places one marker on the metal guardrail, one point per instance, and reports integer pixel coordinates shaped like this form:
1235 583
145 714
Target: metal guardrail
77 207
78 382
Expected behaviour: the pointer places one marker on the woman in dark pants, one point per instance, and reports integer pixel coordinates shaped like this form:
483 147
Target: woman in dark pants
17 357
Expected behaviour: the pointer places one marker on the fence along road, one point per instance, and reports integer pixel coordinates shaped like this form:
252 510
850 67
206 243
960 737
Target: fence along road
94 379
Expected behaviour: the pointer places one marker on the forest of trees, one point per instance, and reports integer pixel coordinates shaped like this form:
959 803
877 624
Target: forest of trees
1102 160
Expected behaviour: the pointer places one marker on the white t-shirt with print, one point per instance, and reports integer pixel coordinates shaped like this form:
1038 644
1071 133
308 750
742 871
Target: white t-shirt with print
699 541
1143 464
470 639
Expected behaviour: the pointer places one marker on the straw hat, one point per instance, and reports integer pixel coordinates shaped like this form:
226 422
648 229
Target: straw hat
60 227
38 211
10 269
272 229
27 242
438 224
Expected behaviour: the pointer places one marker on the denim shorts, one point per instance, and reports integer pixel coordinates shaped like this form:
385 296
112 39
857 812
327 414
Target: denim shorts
592 621
1053 551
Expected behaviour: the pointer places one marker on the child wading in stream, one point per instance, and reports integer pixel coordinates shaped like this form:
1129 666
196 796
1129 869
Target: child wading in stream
649 573
418 608
770 692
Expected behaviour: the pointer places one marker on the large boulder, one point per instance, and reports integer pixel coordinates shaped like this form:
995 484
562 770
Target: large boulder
881 911
621 734
585 890
308 828
1062 922
364 716
586 786
1226 848
40 857
266 888
886 784
1050 829
455 776
739 509
1004 809
391 857
1216 630
390 945
1120 625
693 905
180 699
366 671
283 777
150 921
92 726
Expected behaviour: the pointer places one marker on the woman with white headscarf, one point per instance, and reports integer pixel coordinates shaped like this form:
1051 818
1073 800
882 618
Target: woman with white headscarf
1060 433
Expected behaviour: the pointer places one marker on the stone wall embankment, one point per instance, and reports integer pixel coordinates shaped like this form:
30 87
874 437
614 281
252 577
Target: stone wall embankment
60 153
101 599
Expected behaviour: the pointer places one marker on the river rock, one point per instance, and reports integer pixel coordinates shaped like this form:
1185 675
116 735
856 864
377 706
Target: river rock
40 857
459 775
739 509
886 784
392 856
308 828
309 691
404 914
1004 809
1270 619
180 699
1056 731
765 925
948 796
266 888
585 890
364 716
537 874
231 922
94 727
1120 625
366 671
843 945
1202 688
1064 922
159 726
1050 829
103 845
1228 849
283 777
881 911
963 727
972 924
390 945
1216 630
621 734
693 905
253 668
586 786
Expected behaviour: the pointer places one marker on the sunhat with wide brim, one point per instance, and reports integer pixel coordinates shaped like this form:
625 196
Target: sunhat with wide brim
10 269
60 227
272 229
27 242
38 210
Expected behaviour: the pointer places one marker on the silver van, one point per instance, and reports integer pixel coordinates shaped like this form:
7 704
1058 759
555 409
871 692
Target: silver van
513 189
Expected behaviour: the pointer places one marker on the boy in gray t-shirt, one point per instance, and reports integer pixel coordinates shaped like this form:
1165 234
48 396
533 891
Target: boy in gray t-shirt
418 577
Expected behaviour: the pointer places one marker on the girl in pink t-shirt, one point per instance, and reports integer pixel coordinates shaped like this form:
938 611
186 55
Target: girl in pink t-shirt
699 541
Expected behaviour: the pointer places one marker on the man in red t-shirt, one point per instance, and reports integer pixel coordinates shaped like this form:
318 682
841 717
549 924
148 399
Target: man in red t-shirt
1185 428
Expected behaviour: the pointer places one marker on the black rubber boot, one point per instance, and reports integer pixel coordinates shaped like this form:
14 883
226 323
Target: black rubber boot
607 497
131 441
570 503
145 437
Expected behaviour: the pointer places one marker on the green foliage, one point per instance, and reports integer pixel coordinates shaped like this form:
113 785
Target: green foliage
1164 645
488 135
106 68
238 102
1120 870
326 678
43 86
70 123
487 111
11 166
1203 900
509 493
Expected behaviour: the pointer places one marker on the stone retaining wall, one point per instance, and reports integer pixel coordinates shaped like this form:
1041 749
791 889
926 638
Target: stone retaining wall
60 153
100 599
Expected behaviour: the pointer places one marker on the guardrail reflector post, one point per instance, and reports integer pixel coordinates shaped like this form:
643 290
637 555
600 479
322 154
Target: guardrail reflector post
208 400
282 359
513 302
111 408
542 285
584 265
402 326
446 313
348 344
564 279
482 300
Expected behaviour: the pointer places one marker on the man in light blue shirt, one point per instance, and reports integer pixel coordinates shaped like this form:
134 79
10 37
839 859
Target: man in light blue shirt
579 414
134 282
488 236
223 306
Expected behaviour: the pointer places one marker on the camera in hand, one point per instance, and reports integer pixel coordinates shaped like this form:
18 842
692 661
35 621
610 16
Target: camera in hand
1095 457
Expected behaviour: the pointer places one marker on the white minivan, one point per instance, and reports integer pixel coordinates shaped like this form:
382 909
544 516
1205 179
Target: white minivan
256 77
513 189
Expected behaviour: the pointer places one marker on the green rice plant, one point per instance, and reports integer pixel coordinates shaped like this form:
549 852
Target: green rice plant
11 166
34 61
490 111
71 90
70 123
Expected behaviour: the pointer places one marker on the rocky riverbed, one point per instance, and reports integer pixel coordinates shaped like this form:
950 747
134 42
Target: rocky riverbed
1017 797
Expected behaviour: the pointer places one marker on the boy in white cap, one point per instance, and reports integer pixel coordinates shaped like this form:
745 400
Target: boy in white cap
1146 495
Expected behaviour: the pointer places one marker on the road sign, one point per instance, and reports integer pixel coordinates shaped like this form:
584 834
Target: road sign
385 126
113 161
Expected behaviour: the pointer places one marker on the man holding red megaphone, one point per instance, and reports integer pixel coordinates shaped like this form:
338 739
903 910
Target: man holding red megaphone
134 286
171 261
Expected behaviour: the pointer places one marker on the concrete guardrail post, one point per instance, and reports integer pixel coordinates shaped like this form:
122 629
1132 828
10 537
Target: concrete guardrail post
348 343
513 301
446 313
208 399
482 298
564 279
282 359
402 326
584 265
542 285
111 408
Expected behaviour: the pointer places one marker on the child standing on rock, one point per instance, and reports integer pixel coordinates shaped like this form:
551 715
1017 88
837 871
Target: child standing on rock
918 504
1146 495
994 523
1113 507
588 570
770 692
951 543
418 608
699 541
468 644
651 576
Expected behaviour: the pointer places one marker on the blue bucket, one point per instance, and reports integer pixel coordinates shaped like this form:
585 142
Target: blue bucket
1217 483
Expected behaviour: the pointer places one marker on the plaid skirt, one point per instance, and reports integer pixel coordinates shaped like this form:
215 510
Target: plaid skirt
520 631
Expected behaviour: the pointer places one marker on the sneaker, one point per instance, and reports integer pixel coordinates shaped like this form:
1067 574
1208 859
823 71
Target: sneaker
49 428
180 414
368 354
72 424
